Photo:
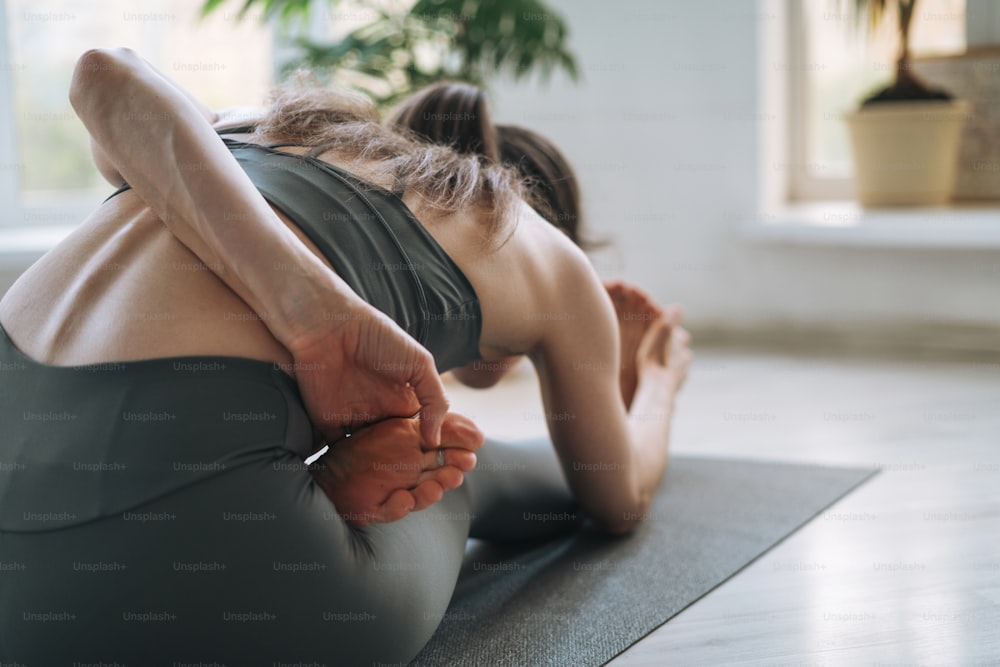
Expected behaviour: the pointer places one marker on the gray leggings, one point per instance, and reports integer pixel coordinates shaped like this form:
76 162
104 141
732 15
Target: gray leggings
239 559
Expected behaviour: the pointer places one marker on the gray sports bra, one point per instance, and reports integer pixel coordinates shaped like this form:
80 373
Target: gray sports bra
375 243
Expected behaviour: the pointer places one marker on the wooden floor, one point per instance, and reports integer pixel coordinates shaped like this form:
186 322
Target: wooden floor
903 571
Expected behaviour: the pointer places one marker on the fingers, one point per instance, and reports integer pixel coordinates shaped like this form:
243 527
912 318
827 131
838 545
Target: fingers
680 354
644 301
427 385
616 290
655 341
632 298
680 336
673 313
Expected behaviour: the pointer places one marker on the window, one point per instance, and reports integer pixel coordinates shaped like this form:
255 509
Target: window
46 173
833 65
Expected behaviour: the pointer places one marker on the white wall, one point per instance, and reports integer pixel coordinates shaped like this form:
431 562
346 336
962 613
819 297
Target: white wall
663 131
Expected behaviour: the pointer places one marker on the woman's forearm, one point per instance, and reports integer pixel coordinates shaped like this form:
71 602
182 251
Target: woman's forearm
649 422
350 358
104 165
165 148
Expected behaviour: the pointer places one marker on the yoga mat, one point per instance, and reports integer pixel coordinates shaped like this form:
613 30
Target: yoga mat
583 599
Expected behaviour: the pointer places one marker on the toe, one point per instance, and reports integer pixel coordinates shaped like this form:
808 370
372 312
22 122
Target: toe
400 503
426 494
462 459
449 477
460 431
458 457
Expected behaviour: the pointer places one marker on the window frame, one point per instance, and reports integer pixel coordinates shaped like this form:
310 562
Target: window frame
33 221
10 164
803 185
982 26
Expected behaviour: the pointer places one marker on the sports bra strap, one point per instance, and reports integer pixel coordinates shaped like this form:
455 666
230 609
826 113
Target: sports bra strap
239 129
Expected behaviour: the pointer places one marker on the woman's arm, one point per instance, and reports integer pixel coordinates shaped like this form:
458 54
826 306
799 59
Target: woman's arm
104 165
237 117
220 119
613 460
163 145
101 159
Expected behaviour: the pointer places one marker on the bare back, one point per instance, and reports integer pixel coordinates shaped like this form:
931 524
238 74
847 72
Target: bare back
122 287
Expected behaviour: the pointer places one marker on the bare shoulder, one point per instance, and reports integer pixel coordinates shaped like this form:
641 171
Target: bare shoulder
532 276
560 271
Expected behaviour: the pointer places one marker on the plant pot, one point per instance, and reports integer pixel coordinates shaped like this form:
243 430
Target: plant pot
905 153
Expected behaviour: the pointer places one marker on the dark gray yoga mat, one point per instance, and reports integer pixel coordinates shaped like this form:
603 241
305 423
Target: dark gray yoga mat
583 599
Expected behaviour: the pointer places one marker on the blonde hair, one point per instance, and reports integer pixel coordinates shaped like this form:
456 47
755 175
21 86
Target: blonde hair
349 125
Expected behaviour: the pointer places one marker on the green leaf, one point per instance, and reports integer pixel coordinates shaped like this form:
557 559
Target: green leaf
480 40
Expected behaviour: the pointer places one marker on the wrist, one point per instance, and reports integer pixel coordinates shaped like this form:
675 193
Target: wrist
310 307
653 404
658 383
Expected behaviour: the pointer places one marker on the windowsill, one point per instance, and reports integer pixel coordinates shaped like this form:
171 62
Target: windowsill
846 223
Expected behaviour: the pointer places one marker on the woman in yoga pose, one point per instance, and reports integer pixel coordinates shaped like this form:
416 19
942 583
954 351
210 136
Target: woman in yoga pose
177 354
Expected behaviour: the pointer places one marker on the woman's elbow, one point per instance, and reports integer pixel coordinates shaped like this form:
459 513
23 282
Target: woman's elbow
95 70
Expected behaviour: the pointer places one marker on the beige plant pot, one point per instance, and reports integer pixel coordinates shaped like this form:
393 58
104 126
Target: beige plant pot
906 153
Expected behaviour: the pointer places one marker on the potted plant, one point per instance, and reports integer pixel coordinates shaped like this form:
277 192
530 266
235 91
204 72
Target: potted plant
905 137
403 49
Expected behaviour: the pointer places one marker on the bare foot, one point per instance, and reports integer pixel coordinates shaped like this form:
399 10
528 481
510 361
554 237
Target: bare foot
383 472
636 312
